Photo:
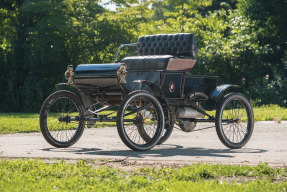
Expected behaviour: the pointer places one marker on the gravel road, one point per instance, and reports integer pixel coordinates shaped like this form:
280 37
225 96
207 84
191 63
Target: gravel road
267 144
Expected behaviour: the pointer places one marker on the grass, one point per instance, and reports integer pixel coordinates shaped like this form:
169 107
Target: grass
269 112
19 122
25 122
36 175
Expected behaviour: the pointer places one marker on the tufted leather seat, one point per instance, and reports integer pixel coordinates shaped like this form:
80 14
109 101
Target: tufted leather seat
155 51
181 44
151 62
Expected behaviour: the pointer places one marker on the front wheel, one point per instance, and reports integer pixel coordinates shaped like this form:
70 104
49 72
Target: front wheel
234 120
60 119
140 121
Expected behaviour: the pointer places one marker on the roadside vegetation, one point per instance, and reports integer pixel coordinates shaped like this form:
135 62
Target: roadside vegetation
29 122
34 175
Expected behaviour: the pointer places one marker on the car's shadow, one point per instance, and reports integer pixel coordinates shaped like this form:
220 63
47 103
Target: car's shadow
164 150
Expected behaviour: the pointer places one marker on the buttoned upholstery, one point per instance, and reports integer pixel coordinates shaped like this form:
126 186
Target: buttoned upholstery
155 51
181 44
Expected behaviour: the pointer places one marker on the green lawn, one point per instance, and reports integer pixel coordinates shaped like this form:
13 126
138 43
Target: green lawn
268 112
25 122
19 122
35 175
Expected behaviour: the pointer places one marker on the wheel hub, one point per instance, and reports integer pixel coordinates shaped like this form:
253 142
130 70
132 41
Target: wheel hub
65 119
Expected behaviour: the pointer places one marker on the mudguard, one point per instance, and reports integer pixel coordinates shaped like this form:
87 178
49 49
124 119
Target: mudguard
157 91
217 94
86 100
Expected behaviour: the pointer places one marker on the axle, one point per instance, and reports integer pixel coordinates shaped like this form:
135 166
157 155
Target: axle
210 120
68 119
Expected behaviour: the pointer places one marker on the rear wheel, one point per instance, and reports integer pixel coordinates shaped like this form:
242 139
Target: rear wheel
234 121
60 119
140 121
166 133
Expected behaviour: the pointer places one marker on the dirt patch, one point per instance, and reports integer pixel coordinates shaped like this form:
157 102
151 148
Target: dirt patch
131 165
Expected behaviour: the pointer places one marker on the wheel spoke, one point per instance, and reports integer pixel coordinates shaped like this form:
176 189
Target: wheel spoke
63 131
144 111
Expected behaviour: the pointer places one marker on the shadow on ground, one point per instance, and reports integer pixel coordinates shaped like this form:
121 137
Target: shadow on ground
164 150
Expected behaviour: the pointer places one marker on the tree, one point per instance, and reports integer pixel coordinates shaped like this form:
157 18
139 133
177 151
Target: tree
238 40
271 28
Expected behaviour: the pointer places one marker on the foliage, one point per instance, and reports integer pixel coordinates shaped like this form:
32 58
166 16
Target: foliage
241 41
271 32
34 175
29 122
51 35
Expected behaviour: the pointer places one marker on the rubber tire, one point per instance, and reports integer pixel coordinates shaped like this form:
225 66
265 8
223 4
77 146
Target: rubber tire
120 125
163 138
167 134
219 131
43 118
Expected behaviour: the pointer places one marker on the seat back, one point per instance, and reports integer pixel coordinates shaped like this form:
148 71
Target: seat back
181 44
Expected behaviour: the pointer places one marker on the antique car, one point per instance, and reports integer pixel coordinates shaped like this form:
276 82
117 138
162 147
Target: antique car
146 96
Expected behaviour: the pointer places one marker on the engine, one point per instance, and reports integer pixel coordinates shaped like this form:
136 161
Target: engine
187 112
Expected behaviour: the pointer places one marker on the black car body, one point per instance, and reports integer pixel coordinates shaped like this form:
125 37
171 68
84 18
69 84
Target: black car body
161 74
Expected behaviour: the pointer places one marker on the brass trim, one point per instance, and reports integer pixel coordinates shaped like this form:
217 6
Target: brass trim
121 73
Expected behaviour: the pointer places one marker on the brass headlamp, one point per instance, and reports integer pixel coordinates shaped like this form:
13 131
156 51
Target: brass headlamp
69 74
122 73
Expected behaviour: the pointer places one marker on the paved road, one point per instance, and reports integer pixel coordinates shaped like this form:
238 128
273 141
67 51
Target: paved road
268 144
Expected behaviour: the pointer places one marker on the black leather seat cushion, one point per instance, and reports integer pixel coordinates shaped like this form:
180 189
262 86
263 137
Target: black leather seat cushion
151 62
181 44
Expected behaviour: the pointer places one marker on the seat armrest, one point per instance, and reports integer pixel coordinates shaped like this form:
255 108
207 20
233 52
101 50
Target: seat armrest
122 46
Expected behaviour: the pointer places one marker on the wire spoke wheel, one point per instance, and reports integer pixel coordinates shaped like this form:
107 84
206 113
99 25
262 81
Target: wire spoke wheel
60 119
140 121
234 121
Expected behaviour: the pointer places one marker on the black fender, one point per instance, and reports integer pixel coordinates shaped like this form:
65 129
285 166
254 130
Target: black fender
156 90
218 93
86 99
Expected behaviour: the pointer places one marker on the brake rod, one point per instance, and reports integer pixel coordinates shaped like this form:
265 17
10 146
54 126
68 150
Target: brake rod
137 110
